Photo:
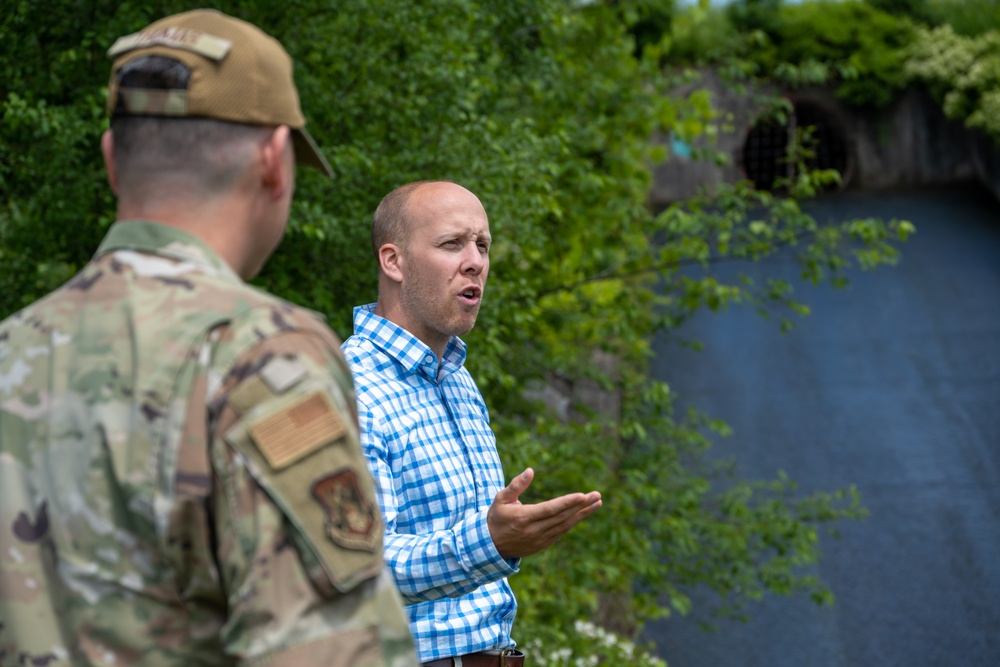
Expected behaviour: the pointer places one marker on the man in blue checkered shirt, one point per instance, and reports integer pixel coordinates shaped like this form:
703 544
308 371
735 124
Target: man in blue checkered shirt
454 532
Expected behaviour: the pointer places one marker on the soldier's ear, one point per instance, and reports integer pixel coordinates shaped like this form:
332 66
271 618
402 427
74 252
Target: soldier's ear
276 156
108 152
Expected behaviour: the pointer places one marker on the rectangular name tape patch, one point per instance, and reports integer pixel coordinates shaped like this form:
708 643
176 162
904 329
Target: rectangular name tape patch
195 41
297 431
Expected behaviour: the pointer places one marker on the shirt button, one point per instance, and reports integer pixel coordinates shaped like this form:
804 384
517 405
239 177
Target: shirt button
428 359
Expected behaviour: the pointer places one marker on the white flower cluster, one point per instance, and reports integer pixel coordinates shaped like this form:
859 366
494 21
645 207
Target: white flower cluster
593 646
963 71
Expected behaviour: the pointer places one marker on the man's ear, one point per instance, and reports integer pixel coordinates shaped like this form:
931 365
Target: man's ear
108 152
390 260
275 174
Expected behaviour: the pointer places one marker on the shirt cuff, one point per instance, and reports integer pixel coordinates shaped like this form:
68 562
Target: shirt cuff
480 554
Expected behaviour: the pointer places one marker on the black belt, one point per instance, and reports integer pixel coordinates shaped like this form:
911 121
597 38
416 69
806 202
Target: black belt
508 657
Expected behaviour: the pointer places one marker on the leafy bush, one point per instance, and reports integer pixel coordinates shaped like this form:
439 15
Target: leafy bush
851 45
918 10
701 35
753 15
966 17
962 72
860 46
648 21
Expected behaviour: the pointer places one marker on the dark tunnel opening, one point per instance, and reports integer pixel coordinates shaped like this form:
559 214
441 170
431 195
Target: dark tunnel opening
765 156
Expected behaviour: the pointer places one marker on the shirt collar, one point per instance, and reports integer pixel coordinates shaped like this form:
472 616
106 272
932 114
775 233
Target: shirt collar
166 241
406 349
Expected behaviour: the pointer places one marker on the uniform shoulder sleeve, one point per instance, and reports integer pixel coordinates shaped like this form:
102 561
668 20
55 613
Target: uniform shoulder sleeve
300 546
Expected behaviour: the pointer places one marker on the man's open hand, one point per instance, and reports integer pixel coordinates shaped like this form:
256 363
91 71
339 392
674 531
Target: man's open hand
522 530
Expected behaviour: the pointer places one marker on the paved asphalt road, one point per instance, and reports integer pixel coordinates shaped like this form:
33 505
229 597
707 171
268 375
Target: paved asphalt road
892 385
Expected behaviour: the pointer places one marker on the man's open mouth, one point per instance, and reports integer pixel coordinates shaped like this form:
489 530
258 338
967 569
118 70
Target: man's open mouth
471 293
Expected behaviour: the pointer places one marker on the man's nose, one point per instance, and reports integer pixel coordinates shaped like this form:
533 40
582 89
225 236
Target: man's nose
473 260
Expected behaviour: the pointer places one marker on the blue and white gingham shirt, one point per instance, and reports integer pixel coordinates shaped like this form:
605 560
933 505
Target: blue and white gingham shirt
427 436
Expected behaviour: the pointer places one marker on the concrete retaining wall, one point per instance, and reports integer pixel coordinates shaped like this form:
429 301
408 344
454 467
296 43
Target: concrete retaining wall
909 143
986 157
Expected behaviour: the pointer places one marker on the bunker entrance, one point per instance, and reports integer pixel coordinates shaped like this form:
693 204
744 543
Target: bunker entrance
768 150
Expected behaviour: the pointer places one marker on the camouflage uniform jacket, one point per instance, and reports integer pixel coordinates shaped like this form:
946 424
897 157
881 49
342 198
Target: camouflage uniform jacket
180 476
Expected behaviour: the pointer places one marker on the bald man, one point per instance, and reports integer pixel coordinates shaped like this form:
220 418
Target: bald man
454 533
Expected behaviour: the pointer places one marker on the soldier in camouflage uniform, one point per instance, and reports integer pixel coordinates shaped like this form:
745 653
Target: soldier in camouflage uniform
180 476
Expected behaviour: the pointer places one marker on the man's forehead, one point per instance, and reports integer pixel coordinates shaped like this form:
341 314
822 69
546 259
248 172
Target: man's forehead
446 229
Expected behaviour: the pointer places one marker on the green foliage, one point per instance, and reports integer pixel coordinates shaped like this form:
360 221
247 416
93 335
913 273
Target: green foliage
962 72
918 10
849 43
648 21
544 109
863 47
702 35
966 17
55 200
751 15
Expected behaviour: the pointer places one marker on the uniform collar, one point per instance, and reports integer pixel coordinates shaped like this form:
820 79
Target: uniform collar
404 348
165 241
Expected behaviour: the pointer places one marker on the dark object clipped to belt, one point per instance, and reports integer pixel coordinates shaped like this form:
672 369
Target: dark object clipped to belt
508 657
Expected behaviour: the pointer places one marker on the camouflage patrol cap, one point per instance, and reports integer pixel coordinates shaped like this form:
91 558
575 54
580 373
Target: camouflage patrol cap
238 74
